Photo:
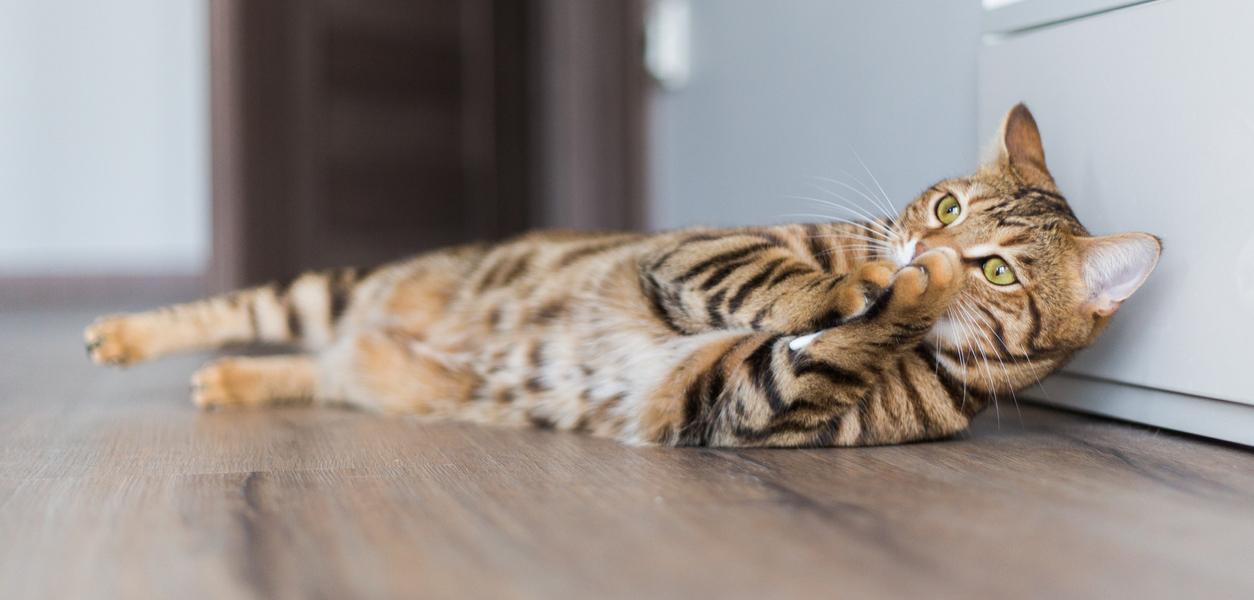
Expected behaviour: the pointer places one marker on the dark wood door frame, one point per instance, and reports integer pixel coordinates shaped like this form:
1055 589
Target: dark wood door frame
592 113
557 127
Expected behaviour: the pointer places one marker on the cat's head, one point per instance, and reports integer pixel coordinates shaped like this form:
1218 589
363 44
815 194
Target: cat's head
1038 286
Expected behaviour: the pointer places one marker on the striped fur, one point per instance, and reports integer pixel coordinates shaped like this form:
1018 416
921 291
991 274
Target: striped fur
796 335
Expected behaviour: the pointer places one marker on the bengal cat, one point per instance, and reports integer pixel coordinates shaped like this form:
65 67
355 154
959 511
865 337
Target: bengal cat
835 334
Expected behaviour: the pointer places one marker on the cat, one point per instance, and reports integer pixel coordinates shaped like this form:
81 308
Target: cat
838 334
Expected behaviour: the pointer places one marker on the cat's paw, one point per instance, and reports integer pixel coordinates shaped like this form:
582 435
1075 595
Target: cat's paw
928 283
863 287
222 383
115 340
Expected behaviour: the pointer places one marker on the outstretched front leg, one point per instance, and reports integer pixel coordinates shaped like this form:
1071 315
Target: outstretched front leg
304 311
312 310
859 383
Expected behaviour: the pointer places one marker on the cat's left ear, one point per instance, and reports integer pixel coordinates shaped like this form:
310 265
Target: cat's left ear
1021 151
1114 266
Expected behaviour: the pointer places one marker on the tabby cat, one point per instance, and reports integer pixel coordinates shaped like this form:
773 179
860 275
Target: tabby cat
836 334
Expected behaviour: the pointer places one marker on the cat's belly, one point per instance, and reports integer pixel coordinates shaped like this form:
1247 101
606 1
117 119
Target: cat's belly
597 378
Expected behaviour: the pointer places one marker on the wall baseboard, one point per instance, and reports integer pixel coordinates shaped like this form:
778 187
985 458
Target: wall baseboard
105 291
1198 415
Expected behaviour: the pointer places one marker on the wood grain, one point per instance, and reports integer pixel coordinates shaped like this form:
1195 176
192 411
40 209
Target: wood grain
113 486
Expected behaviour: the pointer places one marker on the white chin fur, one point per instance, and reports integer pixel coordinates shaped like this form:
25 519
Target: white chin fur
945 334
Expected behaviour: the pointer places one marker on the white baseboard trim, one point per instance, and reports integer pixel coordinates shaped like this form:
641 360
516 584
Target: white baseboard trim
1219 419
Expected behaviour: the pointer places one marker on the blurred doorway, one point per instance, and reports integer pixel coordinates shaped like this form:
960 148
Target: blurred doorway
358 131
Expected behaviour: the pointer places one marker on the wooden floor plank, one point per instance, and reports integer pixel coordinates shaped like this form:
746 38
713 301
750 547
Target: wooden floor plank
113 486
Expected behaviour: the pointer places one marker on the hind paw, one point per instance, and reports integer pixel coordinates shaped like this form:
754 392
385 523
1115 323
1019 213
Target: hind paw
218 384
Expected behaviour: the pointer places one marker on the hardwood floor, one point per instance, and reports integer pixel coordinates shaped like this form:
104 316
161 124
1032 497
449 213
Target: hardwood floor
112 485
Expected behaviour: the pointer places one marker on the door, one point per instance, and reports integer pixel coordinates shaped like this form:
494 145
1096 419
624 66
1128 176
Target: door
349 132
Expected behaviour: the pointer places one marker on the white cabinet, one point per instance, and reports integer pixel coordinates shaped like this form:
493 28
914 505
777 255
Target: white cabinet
1147 112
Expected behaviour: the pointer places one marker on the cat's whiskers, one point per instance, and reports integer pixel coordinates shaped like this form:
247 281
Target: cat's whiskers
861 253
849 235
985 331
983 328
861 225
841 242
967 326
870 236
883 231
872 252
962 357
874 180
1021 355
852 205
866 218
874 201
890 212
866 188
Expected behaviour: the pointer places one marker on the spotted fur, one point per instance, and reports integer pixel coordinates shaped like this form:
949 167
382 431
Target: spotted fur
796 335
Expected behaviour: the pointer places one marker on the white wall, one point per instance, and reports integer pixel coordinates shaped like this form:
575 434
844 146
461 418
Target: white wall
783 92
103 137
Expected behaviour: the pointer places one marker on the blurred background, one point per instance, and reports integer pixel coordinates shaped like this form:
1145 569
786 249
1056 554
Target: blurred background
176 146
157 150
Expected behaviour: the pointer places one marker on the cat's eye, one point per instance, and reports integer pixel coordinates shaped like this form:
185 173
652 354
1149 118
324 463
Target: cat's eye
997 272
948 209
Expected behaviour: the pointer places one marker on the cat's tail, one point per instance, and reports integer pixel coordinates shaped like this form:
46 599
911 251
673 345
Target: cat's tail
306 310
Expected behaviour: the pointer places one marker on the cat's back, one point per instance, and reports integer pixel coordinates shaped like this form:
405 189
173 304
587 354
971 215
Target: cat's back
545 278
546 266
552 259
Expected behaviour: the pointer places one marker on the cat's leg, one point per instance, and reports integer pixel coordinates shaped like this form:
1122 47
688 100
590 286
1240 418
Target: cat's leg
303 311
379 370
390 371
748 281
252 382
859 383
309 311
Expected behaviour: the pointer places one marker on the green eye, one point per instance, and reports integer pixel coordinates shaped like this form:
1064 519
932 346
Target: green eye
997 272
948 209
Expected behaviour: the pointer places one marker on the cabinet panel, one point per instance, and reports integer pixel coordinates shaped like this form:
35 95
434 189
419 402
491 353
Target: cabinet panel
1148 118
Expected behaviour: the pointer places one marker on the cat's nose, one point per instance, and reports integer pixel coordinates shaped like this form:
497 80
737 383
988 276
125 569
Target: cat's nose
919 248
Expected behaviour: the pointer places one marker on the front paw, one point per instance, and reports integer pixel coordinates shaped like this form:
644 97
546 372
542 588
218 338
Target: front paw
928 283
863 287
115 340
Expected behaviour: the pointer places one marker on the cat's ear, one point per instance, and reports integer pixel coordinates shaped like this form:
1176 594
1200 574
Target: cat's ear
1114 266
1020 148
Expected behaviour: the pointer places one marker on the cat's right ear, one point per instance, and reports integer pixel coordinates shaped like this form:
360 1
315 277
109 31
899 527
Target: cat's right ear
1020 150
1114 266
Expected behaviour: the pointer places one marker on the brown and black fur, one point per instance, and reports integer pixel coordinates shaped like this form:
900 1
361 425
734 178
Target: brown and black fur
695 337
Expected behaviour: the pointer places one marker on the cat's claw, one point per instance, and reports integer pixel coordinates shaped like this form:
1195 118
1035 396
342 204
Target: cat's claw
799 343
